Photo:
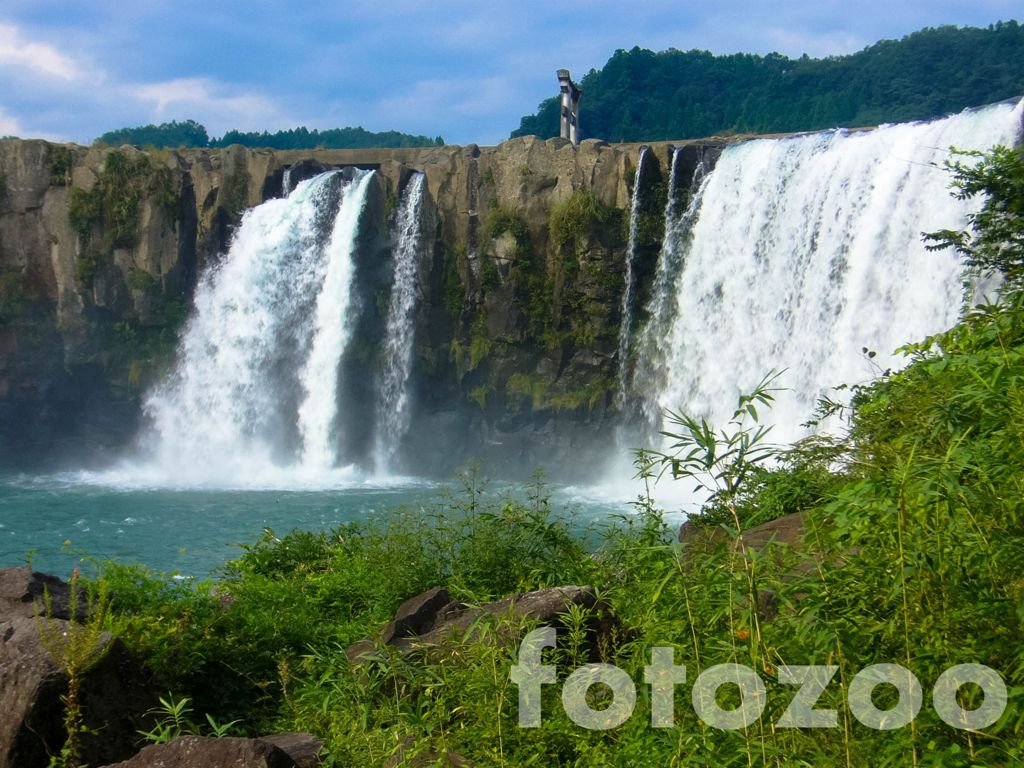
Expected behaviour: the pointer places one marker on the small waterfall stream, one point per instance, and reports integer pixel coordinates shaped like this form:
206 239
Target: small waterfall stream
331 331
254 389
629 292
393 403
650 370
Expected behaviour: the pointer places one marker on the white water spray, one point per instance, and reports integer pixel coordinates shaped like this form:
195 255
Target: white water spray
332 329
629 293
393 402
649 375
269 326
807 250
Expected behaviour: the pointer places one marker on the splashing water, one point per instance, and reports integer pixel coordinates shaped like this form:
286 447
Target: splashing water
393 403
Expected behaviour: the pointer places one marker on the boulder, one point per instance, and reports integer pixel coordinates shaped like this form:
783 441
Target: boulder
429 619
22 591
787 530
202 752
304 748
417 614
542 606
113 696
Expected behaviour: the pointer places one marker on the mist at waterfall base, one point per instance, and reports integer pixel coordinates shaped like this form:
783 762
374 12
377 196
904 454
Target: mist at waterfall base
792 254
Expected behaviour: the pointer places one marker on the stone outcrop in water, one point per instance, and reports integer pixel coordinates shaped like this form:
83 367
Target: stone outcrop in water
518 303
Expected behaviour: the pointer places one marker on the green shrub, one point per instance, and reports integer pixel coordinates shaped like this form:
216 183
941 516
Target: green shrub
61 160
140 280
479 342
582 217
111 209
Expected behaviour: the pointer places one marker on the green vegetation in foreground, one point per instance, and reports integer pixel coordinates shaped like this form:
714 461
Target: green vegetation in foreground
189 133
915 528
640 95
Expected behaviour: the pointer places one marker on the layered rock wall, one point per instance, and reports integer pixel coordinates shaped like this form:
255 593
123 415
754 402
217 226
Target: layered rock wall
101 248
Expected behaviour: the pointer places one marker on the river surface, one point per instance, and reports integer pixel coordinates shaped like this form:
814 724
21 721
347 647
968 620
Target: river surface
55 521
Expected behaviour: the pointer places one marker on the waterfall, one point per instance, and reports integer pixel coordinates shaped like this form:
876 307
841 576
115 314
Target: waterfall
650 370
332 328
629 293
807 250
286 181
254 387
393 403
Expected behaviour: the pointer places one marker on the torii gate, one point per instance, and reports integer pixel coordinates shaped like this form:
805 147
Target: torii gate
570 107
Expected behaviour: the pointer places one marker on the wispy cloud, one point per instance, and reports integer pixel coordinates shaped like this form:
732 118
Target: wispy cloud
814 45
220 105
9 126
39 58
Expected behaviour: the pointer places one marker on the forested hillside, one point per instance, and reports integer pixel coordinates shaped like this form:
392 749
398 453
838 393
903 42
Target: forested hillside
189 133
640 95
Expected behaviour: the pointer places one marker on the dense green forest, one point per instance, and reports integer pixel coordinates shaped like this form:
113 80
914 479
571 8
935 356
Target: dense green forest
640 95
189 133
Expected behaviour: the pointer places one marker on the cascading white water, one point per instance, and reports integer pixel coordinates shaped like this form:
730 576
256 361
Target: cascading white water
629 292
650 371
393 403
807 250
257 366
332 329
286 181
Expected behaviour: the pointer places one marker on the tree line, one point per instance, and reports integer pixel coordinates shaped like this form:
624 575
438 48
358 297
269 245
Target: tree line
640 95
189 133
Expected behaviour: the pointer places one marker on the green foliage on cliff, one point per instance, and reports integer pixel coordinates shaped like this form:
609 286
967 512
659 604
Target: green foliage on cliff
454 290
137 353
580 217
579 228
111 209
640 95
190 134
544 396
60 165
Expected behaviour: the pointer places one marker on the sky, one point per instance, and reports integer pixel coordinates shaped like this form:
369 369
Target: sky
467 71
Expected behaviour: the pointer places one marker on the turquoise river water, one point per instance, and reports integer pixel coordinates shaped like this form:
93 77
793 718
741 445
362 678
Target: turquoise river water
57 520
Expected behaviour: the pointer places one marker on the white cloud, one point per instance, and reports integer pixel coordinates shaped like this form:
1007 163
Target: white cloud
9 126
217 105
470 98
814 45
41 58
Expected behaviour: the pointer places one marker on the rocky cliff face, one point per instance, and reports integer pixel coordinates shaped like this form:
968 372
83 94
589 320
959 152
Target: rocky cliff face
100 250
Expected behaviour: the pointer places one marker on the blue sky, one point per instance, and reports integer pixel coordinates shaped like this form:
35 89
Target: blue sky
465 70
